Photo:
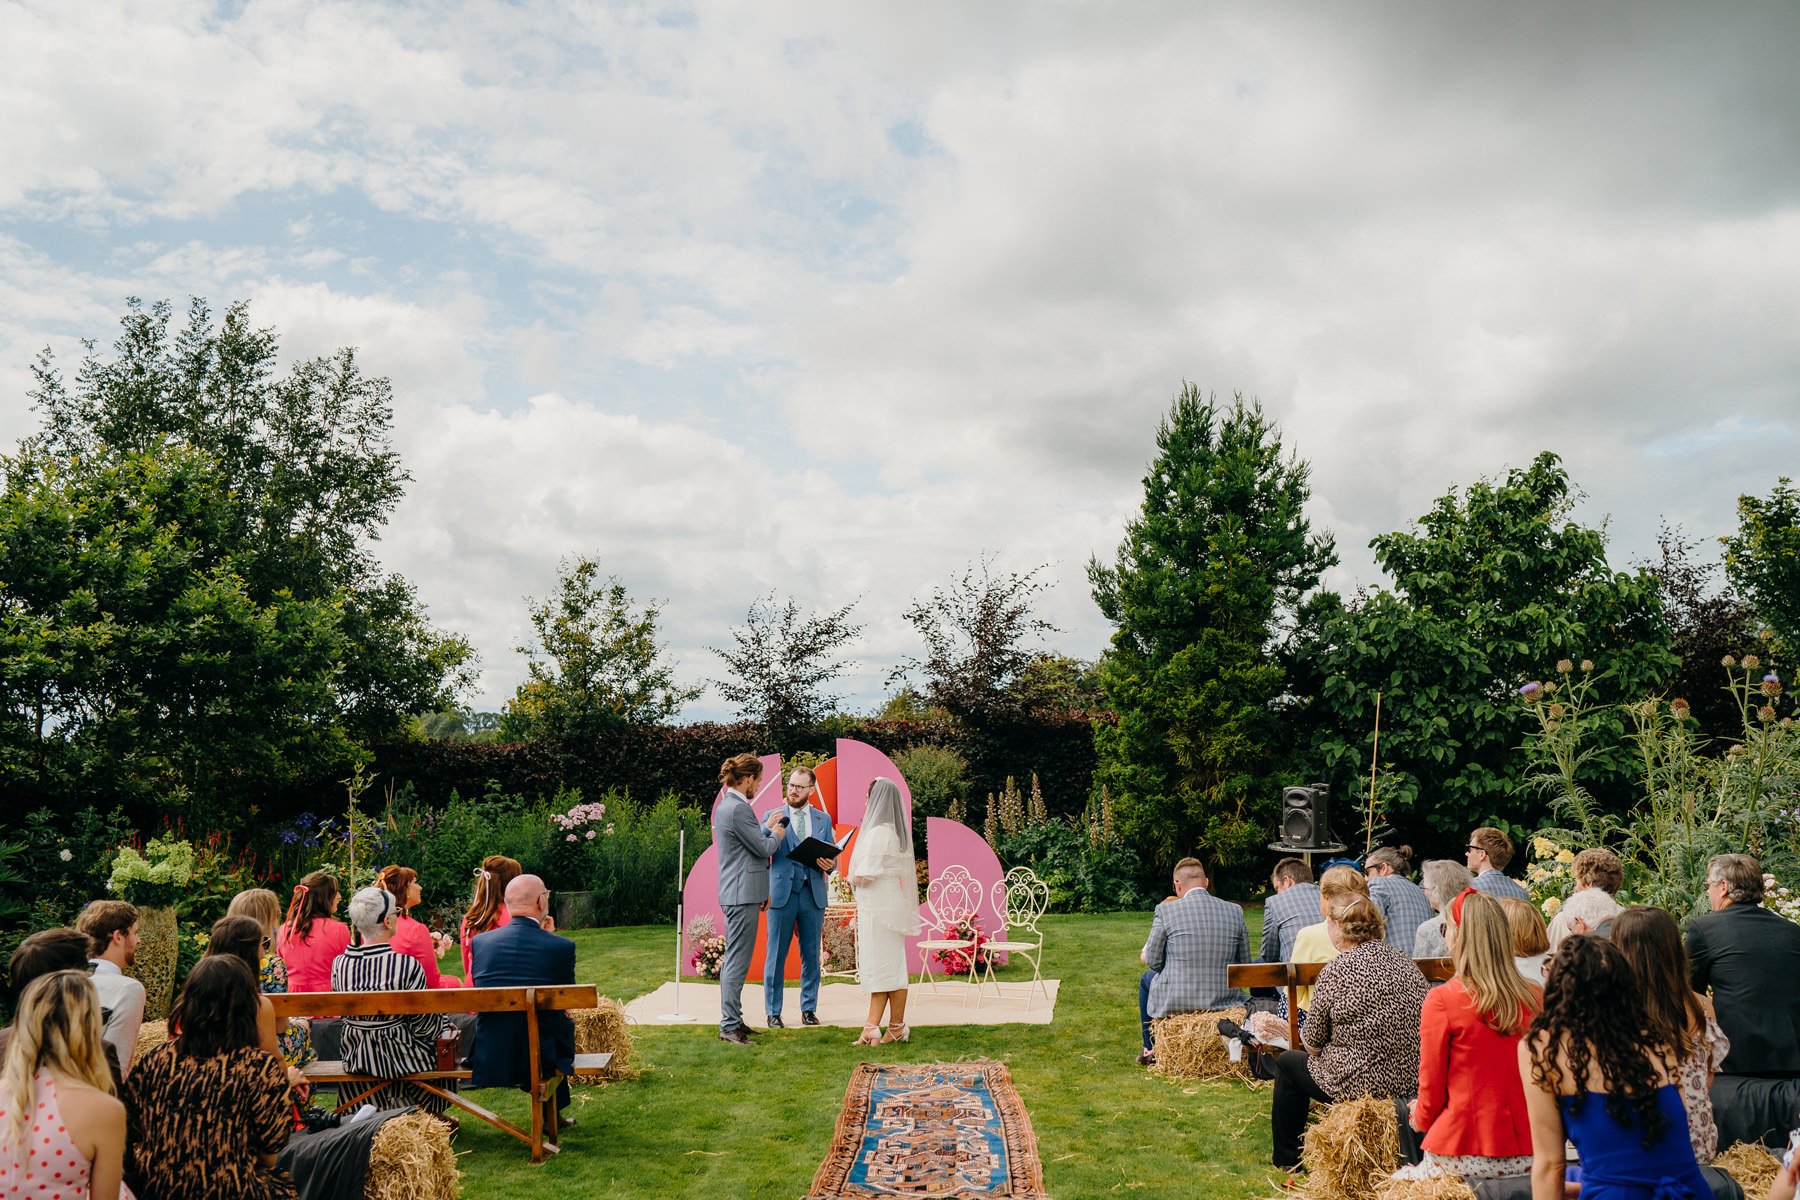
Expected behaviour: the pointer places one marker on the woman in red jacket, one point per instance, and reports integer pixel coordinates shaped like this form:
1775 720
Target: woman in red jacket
411 937
1471 1105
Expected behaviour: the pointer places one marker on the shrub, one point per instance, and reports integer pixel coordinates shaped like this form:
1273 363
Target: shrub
937 777
446 846
1086 871
633 872
156 878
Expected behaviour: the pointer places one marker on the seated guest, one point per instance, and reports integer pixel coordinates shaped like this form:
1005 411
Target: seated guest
42 953
1402 902
1471 1103
1651 943
488 908
1293 907
1488 853
1193 938
209 1109
264 907
310 940
1590 910
62 1133
1531 942
1441 880
1594 870
386 1047
112 930
1362 1031
1594 1078
1312 944
523 953
411 937
242 938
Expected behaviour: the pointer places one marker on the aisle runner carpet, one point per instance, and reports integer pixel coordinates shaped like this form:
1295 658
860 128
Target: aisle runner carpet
931 1129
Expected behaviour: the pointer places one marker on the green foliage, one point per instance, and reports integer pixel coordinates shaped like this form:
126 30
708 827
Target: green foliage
1491 585
782 662
1695 799
937 777
1706 622
975 630
633 876
222 869
156 878
1763 560
1084 875
598 664
191 610
68 858
446 845
1218 561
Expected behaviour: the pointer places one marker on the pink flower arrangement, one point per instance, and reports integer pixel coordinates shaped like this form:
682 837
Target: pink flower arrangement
956 962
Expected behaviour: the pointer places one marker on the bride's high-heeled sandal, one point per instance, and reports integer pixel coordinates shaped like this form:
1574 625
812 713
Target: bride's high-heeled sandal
897 1032
871 1036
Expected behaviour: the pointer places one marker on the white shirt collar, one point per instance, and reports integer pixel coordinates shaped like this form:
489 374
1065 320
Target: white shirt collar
104 967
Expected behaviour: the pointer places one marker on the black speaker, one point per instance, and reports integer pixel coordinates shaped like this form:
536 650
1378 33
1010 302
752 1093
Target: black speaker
1303 817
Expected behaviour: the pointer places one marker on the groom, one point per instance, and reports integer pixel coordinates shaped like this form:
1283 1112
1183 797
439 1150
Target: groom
796 902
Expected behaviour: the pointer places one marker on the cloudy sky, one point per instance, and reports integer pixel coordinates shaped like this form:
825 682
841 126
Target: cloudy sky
829 299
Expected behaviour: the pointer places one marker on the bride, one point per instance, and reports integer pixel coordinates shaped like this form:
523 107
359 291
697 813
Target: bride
887 910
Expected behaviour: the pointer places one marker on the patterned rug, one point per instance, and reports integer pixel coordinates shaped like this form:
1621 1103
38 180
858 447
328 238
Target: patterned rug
931 1129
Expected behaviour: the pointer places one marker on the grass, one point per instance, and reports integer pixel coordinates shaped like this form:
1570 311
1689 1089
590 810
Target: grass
712 1120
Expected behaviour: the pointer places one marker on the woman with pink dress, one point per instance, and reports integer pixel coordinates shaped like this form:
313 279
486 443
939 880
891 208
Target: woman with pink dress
411 937
62 1131
310 940
488 909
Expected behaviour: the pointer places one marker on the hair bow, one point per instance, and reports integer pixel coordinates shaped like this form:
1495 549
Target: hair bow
1456 904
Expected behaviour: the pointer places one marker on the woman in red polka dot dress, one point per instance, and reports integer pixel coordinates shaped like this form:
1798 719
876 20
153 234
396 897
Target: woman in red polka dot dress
62 1133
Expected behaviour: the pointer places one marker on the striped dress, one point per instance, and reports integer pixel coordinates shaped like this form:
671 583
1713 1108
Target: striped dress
388 1047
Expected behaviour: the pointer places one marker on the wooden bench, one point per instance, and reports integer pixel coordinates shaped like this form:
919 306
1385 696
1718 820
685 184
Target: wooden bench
527 1000
1291 977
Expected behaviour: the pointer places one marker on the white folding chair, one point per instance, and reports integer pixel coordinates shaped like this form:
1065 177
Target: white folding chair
1021 898
949 898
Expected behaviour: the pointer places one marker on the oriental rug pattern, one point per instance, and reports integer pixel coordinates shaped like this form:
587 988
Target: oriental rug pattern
931 1129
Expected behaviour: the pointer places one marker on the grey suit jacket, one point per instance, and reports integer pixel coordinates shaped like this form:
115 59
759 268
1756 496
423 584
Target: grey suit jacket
1192 940
744 849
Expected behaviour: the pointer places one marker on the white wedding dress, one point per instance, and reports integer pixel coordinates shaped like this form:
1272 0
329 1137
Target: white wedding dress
887 912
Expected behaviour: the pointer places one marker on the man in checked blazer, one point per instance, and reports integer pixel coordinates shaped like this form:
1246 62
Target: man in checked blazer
1193 937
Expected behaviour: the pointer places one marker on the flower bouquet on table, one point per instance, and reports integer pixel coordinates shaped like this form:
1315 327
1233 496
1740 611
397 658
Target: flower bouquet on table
956 962
708 944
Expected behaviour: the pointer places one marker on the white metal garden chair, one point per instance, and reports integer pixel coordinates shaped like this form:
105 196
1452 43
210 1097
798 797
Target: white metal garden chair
1021 899
951 897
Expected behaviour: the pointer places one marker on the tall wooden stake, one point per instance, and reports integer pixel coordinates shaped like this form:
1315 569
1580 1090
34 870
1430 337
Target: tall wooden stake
1374 756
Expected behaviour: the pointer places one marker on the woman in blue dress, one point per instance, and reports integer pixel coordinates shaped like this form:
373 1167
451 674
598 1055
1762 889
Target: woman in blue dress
1592 1076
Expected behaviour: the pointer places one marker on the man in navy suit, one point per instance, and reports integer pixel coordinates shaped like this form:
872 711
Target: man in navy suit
796 902
525 952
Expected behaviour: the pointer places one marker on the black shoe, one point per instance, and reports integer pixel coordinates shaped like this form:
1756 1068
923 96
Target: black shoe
1147 1059
809 1018
740 1035
747 1031
775 1022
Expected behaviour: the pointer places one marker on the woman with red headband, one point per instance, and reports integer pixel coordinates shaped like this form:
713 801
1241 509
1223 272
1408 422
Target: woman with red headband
310 940
1471 1105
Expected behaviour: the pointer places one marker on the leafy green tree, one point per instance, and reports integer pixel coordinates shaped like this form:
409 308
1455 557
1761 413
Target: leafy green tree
1491 591
782 661
975 633
1763 560
598 664
1211 572
1706 623
137 662
311 479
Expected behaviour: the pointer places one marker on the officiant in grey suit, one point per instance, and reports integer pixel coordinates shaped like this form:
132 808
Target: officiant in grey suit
744 850
797 898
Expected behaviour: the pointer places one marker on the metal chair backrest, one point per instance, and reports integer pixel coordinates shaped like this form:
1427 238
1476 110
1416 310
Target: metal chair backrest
950 897
1021 900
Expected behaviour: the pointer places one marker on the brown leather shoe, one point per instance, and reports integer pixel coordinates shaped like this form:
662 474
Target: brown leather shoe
737 1035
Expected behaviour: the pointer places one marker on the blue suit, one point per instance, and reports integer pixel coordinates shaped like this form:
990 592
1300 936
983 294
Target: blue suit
797 899
520 954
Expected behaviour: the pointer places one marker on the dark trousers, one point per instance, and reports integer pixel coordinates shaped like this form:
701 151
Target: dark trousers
1295 1090
1144 1004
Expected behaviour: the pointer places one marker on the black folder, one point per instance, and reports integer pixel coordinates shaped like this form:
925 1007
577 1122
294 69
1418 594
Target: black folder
812 849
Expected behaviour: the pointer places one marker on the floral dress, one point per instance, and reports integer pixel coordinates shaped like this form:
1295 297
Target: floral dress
295 1040
1705 1054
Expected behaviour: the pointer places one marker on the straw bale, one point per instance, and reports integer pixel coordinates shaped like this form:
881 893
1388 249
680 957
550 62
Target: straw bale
151 1034
411 1159
1354 1146
1751 1165
603 1029
1188 1046
1439 1187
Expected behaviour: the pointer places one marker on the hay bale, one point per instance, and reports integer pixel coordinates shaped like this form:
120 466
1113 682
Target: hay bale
598 1031
1349 1150
1751 1165
411 1159
151 1034
1439 1187
1188 1046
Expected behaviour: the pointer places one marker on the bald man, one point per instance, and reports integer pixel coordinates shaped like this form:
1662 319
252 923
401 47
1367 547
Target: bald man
524 952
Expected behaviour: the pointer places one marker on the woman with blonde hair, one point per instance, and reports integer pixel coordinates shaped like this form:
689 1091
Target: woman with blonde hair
1531 940
264 907
1361 1035
62 1132
1471 1101
887 910
1311 944
488 908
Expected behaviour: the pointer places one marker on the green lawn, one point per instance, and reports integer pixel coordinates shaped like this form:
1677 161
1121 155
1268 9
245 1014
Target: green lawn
707 1119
